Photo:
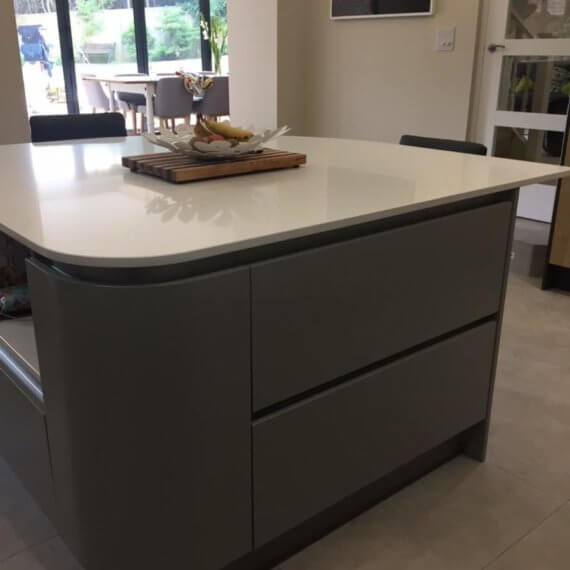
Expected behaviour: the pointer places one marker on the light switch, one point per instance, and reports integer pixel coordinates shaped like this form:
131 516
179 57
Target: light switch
445 40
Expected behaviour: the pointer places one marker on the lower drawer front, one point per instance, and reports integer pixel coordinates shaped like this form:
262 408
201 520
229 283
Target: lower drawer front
23 443
314 454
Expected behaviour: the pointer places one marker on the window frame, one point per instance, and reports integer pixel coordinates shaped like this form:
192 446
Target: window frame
141 45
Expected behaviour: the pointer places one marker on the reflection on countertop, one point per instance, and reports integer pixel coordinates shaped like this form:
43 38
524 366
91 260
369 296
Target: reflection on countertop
75 203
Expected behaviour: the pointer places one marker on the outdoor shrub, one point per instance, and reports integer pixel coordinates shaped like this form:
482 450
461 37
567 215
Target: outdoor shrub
177 38
129 44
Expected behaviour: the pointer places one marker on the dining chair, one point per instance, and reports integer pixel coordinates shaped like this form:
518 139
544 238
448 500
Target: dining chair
96 96
49 128
444 144
216 100
132 101
172 101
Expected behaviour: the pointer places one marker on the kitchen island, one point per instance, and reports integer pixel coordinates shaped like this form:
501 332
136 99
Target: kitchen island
216 374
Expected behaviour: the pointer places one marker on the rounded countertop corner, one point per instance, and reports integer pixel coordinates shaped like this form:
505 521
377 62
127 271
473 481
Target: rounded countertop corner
74 202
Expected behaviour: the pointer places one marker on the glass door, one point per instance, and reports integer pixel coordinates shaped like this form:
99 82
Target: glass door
176 37
526 88
40 55
173 36
62 41
103 35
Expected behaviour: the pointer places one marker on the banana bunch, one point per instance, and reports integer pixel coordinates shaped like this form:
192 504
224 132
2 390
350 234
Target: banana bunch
210 131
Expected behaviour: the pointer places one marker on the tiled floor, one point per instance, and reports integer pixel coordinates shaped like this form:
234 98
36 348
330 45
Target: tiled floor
531 231
511 513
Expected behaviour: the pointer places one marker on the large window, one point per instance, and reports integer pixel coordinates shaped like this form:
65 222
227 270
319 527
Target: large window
103 34
173 35
40 54
62 41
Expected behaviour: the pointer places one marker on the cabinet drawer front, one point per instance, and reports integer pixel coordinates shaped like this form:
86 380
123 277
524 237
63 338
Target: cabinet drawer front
24 444
327 312
316 453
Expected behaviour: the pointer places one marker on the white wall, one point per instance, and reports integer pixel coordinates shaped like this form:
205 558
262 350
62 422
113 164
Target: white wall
367 79
13 114
295 66
379 78
253 61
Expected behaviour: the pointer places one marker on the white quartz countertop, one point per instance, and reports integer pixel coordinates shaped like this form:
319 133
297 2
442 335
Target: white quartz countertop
75 203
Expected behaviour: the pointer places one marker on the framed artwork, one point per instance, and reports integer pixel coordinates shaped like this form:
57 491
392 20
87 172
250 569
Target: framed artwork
349 9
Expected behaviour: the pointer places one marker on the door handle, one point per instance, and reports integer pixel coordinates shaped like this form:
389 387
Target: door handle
494 47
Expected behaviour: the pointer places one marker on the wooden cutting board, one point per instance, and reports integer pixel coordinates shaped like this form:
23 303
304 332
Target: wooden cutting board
176 167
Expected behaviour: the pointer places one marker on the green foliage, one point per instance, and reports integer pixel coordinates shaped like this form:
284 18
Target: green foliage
89 14
217 33
217 8
177 38
192 8
129 44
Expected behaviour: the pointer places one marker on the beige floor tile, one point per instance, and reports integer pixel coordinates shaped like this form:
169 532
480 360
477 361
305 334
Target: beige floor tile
458 518
546 382
532 441
50 555
536 343
530 432
546 548
22 524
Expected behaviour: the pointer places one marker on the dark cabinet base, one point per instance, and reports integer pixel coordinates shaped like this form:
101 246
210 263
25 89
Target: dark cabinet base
556 277
285 546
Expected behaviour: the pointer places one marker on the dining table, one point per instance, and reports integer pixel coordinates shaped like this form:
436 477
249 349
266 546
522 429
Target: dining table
144 84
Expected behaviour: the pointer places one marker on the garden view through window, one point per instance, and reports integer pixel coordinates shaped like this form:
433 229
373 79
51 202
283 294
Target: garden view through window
104 43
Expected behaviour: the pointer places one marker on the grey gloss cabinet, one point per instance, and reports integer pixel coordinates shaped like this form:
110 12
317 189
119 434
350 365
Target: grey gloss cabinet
23 442
200 417
317 452
326 312
147 392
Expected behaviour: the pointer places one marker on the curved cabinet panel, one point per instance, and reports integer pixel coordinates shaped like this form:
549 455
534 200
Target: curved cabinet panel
147 395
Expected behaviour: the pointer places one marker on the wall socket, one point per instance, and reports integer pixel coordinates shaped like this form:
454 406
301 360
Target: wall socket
445 39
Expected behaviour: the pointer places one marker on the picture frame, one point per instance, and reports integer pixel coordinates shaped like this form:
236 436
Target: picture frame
349 9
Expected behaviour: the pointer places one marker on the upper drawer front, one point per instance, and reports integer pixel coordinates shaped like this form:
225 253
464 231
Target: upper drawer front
316 453
323 313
